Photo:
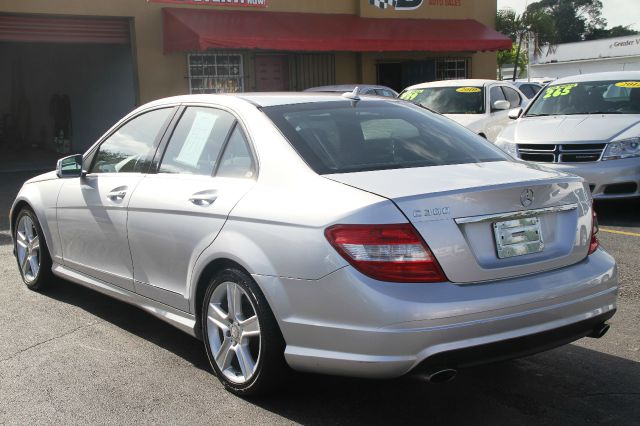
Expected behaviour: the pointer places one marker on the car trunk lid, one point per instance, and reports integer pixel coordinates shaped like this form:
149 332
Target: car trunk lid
458 208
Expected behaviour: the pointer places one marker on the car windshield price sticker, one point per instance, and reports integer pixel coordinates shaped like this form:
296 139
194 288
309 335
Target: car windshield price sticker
629 84
410 95
560 90
468 90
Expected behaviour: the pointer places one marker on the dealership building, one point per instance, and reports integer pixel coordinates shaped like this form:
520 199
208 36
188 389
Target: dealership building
71 68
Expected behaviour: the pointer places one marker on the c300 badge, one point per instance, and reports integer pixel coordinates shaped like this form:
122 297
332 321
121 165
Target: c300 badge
526 198
436 211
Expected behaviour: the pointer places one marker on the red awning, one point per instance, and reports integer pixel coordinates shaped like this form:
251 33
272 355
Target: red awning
199 30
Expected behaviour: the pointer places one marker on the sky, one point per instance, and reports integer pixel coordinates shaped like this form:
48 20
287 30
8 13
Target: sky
616 12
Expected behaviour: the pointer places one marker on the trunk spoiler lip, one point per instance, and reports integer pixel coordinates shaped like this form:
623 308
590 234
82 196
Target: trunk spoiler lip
516 214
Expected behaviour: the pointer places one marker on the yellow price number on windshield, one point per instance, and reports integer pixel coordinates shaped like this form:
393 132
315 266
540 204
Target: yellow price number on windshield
629 84
468 90
560 90
410 95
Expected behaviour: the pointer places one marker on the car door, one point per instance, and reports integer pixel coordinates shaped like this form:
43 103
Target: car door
176 213
498 119
91 210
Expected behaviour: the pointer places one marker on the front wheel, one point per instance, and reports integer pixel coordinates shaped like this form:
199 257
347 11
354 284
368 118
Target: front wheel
31 251
242 339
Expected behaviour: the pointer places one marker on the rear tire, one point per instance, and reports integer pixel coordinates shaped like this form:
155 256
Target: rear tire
32 253
241 336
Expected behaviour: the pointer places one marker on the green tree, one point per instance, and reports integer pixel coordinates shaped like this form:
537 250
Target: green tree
577 20
617 31
533 26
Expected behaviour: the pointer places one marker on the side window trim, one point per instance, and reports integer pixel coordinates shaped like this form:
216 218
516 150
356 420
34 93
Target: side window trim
92 155
162 146
223 148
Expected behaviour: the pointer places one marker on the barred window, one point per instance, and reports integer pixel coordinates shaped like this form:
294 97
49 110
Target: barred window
452 68
216 72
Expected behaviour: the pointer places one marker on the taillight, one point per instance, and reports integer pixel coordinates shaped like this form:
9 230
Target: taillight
386 252
593 245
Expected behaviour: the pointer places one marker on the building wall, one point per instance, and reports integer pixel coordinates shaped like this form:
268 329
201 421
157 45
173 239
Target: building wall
162 75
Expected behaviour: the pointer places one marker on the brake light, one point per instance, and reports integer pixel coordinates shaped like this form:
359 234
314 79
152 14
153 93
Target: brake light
594 244
394 253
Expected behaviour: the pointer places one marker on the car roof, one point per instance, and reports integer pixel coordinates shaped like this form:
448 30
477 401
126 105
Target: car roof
264 99
346 88
475 82
600 76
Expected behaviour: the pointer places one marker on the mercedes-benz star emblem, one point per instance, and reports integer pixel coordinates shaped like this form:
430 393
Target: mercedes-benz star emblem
526 198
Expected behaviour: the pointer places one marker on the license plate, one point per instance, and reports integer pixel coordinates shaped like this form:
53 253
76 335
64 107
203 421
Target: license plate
518 237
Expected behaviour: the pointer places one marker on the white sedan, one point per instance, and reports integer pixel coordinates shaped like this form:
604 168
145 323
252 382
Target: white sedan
480 105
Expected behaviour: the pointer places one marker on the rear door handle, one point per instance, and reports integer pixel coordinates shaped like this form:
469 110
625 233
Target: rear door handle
118 194
204 198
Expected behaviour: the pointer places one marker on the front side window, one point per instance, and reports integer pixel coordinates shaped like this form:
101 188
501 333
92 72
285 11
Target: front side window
496 94
448 100
589 97
336 137
194 147
512 96
131 148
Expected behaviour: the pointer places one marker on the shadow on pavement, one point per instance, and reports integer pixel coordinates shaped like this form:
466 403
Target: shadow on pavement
568 385
131 319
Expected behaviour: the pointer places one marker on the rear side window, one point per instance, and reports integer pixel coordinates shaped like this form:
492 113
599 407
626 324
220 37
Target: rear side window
236 161
336 137
196 143
131 148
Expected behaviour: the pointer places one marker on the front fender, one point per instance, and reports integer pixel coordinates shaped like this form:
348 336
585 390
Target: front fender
41 196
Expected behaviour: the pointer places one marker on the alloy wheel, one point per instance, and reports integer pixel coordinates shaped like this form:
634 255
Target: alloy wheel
233 331
28 248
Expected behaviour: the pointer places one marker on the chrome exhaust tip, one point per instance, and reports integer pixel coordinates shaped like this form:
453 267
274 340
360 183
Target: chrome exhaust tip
599 330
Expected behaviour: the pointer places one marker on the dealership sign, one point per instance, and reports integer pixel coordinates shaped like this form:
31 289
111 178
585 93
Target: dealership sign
237 3
412 4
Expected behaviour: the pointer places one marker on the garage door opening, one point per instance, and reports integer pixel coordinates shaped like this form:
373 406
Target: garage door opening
64 82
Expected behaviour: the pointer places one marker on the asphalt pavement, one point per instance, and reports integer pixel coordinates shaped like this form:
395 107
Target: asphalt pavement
74 356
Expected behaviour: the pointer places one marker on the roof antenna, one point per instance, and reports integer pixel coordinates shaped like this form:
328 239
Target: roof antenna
354 96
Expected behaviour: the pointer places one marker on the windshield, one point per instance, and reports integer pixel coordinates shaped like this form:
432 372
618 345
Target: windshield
591 97
338 137
448 100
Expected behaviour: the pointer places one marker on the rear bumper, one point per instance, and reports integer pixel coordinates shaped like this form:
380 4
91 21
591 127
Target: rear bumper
606 177
347 324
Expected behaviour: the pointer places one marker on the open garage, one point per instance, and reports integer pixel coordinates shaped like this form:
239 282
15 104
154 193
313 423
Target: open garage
66 80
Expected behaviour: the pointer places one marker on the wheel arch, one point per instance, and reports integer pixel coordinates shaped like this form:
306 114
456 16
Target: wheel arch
202 282
18 206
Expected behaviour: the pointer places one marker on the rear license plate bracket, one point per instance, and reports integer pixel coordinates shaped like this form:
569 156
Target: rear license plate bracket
518 237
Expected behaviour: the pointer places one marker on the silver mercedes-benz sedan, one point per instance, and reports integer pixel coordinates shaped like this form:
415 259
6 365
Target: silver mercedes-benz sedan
324 233
585 124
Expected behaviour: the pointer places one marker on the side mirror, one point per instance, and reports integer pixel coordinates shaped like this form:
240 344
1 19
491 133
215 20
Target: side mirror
501 105
515 113
70 167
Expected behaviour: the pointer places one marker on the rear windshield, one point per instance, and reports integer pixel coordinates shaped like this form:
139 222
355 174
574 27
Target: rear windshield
338 137
448 100
589 97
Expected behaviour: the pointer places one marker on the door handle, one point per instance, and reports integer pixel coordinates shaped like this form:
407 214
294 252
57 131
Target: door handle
204 198
117 194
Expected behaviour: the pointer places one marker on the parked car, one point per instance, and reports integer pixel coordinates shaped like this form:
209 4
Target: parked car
480 105
588 125
528 88
365 89
342 235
